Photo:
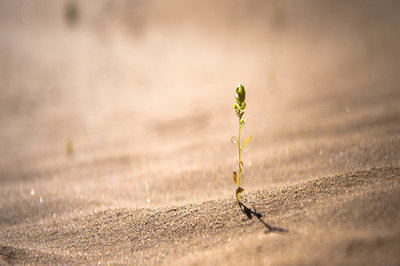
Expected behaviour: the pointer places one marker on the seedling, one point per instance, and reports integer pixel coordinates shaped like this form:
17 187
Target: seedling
239 107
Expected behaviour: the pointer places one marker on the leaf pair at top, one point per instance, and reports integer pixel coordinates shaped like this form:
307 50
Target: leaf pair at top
240 104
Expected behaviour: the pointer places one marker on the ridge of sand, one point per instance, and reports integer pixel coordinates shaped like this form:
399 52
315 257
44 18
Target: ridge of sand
339 208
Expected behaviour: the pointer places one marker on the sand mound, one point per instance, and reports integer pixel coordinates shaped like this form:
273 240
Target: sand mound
333 219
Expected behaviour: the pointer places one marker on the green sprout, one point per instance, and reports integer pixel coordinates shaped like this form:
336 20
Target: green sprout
239 107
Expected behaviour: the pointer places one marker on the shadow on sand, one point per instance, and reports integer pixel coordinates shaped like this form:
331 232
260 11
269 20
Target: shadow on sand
249 213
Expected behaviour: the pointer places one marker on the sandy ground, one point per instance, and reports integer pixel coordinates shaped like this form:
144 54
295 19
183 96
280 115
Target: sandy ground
116 127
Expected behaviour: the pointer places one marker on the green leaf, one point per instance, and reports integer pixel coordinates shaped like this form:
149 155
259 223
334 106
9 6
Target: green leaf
247 140
243 121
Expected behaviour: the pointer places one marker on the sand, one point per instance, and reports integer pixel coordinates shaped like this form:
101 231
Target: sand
349 218
116 127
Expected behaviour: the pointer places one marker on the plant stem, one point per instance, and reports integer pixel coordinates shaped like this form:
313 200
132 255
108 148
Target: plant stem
240 158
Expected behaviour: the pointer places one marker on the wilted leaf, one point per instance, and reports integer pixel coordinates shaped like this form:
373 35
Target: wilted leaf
234 176
234 140
239 190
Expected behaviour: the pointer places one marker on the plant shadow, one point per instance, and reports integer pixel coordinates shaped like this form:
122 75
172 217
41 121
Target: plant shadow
250 213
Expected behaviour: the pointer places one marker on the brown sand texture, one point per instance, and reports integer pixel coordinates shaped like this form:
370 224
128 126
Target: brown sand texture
116 120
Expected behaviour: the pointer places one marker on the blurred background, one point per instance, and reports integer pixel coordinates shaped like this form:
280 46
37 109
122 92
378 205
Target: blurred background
130 102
